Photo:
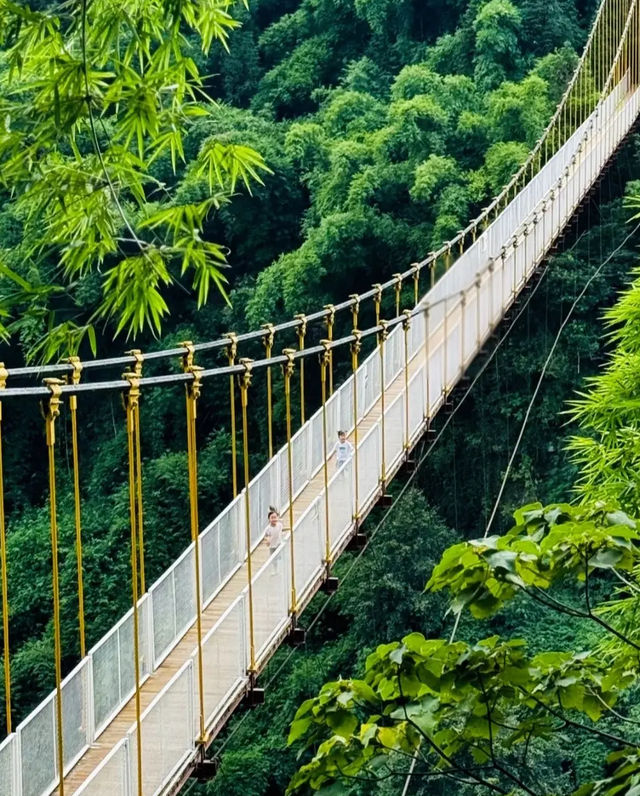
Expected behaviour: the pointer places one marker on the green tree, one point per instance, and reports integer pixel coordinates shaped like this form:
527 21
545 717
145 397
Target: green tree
497 29
93 98
472 712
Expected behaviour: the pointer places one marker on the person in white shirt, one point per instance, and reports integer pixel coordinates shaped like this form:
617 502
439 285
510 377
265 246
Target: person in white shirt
273 536
343 449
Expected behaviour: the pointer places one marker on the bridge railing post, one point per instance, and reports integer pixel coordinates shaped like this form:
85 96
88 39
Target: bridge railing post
245 382
324 364
267 341
406 325
356 345
383 334
287 369
427 369
90 714
51 411
491 267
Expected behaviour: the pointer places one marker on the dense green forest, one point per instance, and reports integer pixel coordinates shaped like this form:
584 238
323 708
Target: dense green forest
365 134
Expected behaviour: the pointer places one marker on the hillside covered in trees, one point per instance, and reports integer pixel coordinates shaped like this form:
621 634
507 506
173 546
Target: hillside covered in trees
365 134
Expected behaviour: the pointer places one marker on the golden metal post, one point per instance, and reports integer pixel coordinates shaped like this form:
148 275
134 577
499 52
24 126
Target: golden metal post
330 320
463 307
398 292
245 383
232 351
324 363
445 358
137 369
406 325
503 257
5 591
382 336
355 309
267 341
74 378
415 270
514 284
287 369
491 267
192 393
478 285
302 331
377 300
52 411
132 405
427 356
355 351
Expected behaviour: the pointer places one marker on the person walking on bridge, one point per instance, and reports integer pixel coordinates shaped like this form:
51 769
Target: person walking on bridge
343 450
273 536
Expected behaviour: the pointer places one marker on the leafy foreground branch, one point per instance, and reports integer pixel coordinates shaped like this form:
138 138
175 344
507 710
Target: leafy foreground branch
97 100
474 713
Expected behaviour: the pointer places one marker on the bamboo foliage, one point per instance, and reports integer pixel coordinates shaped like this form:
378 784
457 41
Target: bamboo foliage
92 96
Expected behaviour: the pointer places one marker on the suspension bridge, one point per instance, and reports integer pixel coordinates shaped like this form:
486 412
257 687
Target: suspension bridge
137 713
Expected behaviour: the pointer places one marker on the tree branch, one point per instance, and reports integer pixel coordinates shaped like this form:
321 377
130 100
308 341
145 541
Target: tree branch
441 753
496 764
569 722
598 620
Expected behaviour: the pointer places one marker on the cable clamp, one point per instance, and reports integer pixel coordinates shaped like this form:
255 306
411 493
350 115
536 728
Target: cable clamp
131 398
268 337
52 407
137 354
406 320
195 386
289 365
355 309
74 378
245 377
331 315
356 345
325 355
302 328
187 357
232 346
